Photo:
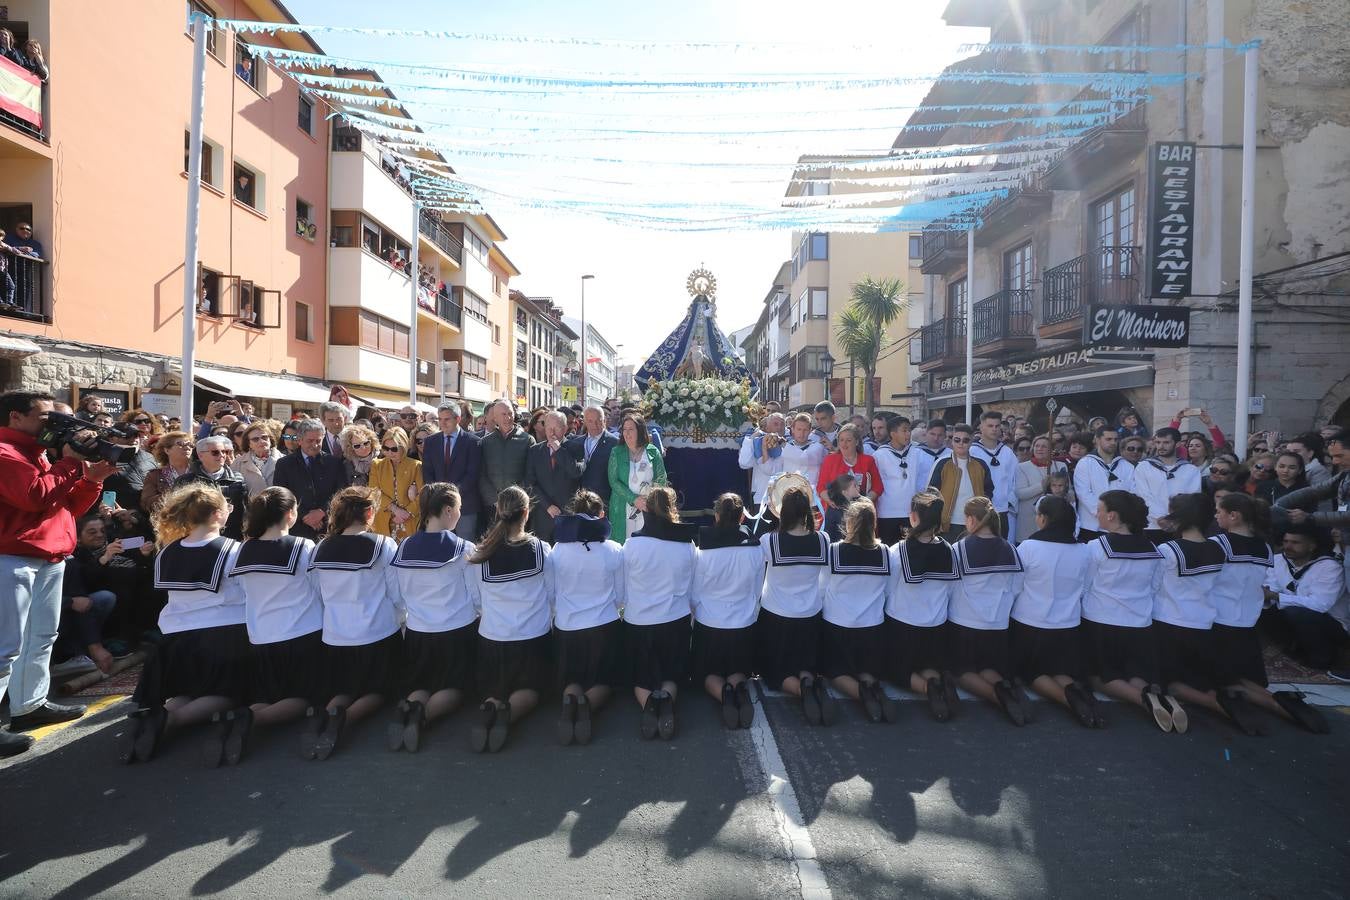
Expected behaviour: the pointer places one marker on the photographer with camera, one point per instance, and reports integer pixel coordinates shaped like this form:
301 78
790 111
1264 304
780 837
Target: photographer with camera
39 502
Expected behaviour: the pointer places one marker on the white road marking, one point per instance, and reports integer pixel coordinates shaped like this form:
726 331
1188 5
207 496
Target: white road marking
787 810
1317 694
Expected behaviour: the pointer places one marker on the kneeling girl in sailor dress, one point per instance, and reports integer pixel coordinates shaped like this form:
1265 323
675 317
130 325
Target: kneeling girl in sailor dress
285 620
511 583
728 576
856 587
439 636
200 667
1184 610
1119 655
787 632
991 576
361 618
1048 608
924 573
588 586
1239 597
658 569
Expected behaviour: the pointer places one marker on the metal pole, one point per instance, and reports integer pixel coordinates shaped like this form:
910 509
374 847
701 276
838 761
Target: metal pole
412 278
970 321
585 352
1246 252
191 282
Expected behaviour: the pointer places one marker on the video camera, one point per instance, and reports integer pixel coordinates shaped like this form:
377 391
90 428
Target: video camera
60 430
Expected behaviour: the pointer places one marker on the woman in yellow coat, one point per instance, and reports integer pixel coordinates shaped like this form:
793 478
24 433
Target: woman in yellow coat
398 480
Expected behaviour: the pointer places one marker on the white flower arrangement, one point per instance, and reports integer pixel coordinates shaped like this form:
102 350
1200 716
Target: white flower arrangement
710 404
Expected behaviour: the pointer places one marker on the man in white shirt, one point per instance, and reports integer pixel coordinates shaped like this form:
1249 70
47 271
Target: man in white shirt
904 470
802 454
1002 463
1161 477
1309 606
826 430
934 443
762 455
1095 474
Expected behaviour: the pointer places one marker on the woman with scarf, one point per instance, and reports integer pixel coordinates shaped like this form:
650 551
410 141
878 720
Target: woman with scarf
1030 484
358 453
635 465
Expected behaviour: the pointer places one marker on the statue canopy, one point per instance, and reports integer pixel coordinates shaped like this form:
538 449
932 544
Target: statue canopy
697 348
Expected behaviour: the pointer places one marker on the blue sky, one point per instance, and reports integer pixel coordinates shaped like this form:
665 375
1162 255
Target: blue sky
638 293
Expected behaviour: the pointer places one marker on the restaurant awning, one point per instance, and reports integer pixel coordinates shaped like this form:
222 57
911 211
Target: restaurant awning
1101 377
248 384
17 348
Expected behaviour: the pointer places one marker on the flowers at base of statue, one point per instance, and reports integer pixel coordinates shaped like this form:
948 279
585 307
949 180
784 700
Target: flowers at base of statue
710 404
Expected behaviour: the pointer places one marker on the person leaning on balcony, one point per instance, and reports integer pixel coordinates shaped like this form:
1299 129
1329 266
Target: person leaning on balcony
9 50
36 64
9 288
23 242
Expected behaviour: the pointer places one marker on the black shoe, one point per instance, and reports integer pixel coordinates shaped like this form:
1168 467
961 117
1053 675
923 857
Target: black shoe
1012 703
870 704
938 706
47 714
126 740
889 711
731 716
581 730
745 705
393 732
331 734
1082 705
478 731
151 734
501 724
316 718
567 720
1180 721
414 723
213 745
1153 702
241 727
810 702
1239 711
829 710
648 725
1293 703
665 717
13 744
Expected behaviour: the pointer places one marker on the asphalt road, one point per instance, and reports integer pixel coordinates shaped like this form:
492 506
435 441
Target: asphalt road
972 808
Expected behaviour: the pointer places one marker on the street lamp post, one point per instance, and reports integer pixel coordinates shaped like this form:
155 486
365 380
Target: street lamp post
827 369
584 351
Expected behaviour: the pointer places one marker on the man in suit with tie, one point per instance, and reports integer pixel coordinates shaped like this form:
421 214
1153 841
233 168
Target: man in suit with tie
312 476
552 474
592 448
453 456
334 418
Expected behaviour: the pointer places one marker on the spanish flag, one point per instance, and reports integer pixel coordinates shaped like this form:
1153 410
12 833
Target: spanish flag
20 93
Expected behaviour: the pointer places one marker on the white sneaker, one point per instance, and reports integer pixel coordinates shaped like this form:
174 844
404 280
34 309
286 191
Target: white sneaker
76 665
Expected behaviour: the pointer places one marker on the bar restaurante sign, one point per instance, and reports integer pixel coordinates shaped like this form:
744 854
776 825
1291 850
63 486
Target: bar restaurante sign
1136 327
1171 218
1041 365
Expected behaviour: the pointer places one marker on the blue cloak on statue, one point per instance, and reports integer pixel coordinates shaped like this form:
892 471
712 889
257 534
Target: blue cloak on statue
697 336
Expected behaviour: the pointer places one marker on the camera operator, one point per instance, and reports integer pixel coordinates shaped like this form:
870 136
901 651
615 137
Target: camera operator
39 502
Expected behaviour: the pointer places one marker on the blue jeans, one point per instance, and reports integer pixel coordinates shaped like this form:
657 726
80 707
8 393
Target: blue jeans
81 629
30 617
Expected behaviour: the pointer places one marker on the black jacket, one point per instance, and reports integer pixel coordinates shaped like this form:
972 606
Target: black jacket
235 489
595 472
549 479
313 484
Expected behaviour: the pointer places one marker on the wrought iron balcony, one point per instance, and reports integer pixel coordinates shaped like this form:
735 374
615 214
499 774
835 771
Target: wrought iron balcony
1106 275
943 248
436 232
1005 316
933 342
22 293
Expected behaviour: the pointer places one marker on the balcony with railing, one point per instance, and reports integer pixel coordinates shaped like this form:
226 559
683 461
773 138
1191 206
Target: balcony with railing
1004 322
1123 134
22 291
21 95
440 236
943 250
426 373
1106 275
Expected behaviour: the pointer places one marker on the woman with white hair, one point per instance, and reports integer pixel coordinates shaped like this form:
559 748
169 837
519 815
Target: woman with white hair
358 453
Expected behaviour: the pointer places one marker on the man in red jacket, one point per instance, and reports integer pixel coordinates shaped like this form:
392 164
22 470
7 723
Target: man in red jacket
39 502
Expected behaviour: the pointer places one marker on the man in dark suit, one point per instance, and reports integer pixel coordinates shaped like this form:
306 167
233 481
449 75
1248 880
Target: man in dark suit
592 448
312 476
454 456
552 475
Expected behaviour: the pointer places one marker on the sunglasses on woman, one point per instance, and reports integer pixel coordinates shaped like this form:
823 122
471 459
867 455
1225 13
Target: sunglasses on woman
393 449
360 445
290 437
140 421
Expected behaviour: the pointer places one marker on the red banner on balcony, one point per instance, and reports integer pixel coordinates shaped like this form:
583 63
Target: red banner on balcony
20 93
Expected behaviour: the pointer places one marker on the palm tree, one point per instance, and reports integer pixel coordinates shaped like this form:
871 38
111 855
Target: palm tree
861 329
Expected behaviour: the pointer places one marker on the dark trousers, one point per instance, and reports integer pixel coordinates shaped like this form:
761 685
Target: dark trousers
1313 638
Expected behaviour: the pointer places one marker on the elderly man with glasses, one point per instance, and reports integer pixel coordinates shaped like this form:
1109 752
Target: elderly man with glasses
211 466
312 476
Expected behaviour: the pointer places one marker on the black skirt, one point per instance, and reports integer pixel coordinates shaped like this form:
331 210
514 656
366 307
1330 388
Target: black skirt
977 649
1237 656
204 662
293 668
1185 655
658 653
1045 651
439 660
505 667
852 651
785 647
1118 652
914 648
591 656
722 651
364 669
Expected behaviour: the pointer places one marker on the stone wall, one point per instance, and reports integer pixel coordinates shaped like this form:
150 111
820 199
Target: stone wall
62 364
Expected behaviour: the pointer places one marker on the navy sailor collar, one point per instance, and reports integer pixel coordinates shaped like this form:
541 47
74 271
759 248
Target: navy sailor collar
1241 548
578 528
281 557
1128 546
513 562
920 562
180 568
1170 471
349 552
428 550
850 559
1197 557
811 549
710 537
984 556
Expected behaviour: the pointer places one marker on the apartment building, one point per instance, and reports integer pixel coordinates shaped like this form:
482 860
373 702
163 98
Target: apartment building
1075 233
539 332
602 362
102 180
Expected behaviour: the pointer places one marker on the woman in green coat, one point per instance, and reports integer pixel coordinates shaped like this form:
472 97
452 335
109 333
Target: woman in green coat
634 466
